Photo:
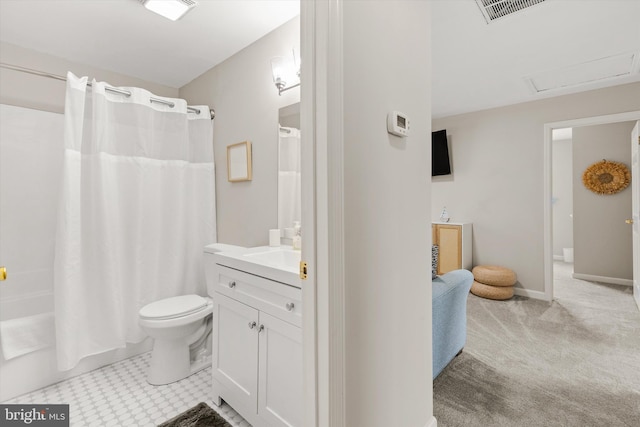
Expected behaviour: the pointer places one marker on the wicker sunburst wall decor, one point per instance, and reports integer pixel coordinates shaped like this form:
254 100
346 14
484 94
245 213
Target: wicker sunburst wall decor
606 177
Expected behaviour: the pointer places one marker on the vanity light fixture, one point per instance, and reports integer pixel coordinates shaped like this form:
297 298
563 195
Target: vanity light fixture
284 69
170 9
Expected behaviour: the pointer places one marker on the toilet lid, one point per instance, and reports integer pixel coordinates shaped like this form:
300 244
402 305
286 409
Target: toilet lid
173 307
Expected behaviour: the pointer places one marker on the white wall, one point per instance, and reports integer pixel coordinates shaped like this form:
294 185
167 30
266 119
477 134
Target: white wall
246 101
497 180
386 54
602 240
562 193
41 93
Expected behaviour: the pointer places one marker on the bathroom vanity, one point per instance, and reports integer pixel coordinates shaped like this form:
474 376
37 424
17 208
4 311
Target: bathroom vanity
257 335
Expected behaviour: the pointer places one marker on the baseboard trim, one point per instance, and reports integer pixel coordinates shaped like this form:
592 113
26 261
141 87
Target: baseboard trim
530 294
603 279
432 423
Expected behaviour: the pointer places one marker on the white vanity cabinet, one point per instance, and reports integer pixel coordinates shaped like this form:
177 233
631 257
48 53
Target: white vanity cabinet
257 347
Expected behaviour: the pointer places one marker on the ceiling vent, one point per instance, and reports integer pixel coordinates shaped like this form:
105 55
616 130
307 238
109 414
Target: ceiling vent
495 9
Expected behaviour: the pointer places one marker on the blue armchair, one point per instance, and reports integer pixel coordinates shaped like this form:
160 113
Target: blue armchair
449 316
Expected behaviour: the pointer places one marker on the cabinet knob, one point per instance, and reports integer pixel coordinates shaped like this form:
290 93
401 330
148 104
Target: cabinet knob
252 325
290 306
261 328
232 284
628 221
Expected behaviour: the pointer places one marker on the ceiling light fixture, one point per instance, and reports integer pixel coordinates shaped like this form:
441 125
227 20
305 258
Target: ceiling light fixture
170 9
285 69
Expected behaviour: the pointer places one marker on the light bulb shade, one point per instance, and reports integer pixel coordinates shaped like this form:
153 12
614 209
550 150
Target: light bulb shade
170 9
278 68
296 61
284 73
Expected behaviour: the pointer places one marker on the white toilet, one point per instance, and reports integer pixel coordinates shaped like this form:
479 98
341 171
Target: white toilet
181 329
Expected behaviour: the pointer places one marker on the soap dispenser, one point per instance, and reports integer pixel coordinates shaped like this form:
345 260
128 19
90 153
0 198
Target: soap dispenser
297 238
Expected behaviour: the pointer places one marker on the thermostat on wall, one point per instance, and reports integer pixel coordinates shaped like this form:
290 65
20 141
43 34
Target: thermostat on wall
398 123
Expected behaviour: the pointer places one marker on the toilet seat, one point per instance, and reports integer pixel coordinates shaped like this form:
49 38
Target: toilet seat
171 308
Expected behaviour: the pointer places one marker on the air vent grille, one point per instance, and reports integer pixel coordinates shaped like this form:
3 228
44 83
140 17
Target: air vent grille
495 9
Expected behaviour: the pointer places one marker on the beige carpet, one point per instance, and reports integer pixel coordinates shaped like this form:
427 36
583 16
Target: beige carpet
573 362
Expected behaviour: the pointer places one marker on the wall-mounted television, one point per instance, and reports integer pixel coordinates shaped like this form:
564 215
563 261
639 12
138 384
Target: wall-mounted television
440 164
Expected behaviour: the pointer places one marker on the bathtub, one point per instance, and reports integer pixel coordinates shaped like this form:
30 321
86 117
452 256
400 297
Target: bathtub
38 369
30 168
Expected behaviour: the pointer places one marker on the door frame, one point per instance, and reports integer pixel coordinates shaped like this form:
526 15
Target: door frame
547 174
322 123
635 217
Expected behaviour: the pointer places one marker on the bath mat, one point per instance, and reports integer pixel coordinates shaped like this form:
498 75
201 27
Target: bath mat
200 415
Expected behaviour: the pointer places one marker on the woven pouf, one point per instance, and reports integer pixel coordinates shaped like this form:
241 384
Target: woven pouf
491 292
493 282
494 275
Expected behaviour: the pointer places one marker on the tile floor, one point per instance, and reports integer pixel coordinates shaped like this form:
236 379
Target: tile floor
118 395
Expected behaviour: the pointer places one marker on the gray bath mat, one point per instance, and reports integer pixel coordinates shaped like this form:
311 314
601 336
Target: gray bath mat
200 415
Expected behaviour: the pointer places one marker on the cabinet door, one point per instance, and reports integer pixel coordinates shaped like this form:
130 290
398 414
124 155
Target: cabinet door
280 382
235 351
449 241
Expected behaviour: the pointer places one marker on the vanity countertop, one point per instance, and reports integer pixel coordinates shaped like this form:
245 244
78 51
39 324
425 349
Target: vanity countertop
279 263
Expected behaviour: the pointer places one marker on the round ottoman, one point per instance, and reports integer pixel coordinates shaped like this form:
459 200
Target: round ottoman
494 275
493 282
491 292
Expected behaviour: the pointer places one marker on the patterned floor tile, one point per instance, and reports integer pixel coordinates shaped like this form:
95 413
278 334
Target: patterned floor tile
119 395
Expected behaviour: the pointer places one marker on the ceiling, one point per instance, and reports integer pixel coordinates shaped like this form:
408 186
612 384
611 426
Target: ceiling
123 36
475 65
478 65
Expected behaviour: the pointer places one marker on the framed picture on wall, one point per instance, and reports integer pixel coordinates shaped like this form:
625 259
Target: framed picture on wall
239 162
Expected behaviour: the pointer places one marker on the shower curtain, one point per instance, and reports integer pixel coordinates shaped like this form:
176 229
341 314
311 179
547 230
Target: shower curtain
137 207
289 177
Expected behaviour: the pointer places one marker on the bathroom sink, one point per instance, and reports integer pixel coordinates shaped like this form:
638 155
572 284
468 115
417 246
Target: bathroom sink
282 257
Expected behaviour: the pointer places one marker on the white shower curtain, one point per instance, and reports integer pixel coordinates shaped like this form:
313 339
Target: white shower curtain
289 177
137 206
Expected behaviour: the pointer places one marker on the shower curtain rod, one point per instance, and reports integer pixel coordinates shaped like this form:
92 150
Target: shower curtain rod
109 88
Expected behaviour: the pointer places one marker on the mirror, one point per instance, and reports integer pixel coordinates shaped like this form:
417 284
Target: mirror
289 185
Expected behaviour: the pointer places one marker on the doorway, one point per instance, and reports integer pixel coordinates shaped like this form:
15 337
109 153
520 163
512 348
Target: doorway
550 200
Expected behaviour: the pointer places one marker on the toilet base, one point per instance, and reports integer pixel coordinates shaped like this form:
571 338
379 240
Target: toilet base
170 362
199 365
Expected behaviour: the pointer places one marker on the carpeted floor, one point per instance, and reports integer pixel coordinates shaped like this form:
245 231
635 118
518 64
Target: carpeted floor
573 362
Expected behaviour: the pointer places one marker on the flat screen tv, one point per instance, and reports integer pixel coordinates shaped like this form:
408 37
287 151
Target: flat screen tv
440 164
